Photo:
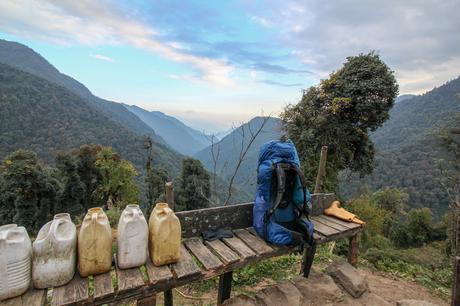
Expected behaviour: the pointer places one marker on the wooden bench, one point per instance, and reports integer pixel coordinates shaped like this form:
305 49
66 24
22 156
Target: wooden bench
200 260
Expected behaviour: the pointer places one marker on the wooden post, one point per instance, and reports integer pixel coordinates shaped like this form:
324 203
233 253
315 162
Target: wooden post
456 287
456 283
169 194
353 250
225 287
321 175
168 295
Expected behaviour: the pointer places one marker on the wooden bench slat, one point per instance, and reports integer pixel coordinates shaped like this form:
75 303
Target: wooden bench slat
16 301
223 251
334 225
32 297
254 242
323 229
203 254
185 267
349 225
75 291
158 274
129 279
103 285
239 247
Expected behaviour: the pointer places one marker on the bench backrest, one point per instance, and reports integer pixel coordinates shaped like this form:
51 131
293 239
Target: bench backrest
194 222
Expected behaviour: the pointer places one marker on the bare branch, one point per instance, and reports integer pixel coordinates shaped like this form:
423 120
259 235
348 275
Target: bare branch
244 150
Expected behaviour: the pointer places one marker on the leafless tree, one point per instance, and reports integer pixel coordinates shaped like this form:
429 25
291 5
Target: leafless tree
248 135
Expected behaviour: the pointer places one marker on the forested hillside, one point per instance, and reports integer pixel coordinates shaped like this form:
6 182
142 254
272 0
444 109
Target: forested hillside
26 59
44 117
409 148
176 134
227 151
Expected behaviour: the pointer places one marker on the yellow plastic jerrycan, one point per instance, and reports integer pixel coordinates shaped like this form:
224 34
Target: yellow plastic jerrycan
55 253
164 235
15 261
132 238
94 243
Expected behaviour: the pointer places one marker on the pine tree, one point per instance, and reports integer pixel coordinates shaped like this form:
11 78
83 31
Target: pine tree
194 187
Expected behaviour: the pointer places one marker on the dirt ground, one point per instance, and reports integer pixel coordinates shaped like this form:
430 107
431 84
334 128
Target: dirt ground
383 289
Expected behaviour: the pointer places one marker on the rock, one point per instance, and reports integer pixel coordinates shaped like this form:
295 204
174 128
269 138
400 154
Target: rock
318 289
242 300
348 277
281 294
407 302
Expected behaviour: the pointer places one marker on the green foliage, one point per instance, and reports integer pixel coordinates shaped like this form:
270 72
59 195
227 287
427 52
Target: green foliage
66 121
340 112
117 183
416 151
71 199
427 265
31 193
391 199
194 186
113 215
367 210
156 178
420 225
27 194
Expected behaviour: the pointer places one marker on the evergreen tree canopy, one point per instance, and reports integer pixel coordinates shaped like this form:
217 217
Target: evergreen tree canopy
27 191
194 187
340 112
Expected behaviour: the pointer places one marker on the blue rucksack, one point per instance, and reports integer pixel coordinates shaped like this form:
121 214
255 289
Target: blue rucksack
282 201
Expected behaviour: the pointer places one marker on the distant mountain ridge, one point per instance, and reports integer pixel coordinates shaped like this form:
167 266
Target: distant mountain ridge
115 115
26 59
227 151
408 147
47 118
179 136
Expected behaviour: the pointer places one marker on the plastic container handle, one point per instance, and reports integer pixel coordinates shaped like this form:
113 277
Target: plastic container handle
94 217
54 226
135 213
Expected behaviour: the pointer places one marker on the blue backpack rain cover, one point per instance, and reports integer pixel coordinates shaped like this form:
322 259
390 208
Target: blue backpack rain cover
282 202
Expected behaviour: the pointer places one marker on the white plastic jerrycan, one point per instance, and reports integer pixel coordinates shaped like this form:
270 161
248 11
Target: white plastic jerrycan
15 261
133 238
165 235
55 253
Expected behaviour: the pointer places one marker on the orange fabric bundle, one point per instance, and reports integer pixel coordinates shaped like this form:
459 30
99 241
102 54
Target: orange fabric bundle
336 211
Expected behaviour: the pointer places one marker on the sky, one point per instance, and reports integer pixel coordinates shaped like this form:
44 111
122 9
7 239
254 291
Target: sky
214 64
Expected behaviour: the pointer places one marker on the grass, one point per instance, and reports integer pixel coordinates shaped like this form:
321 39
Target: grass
427 265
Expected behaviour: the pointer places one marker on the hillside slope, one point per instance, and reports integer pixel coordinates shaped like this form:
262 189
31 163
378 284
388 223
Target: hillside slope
179 136
408 148
230 146
44 117
26 59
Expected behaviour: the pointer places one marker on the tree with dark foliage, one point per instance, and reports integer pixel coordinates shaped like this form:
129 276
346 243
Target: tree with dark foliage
194 186
340 112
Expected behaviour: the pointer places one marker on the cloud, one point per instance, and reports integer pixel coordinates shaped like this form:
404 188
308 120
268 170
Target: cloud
261 21
417 39
270 82
102 57
100 23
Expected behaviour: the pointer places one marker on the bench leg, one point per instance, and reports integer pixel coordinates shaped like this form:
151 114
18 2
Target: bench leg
353 250
225 287
307 259
147 301
169 298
